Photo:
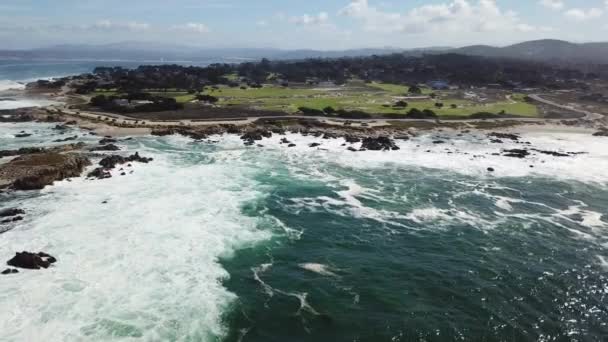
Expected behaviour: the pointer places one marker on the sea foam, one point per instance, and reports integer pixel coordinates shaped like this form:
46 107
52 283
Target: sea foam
143 265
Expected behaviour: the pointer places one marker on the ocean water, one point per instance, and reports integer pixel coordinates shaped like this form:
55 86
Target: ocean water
215 241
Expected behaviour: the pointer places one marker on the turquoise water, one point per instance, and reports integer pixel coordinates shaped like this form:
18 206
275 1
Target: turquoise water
222 242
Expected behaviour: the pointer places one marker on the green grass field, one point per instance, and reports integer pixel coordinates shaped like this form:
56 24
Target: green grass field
373 98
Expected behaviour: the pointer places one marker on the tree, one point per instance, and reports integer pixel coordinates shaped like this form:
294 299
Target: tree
415 90
439 105
401 104
329 110
207 98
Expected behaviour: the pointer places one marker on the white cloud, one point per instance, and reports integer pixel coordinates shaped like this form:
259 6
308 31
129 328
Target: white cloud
453 16
108 25
262 23
553 4
579 14
312 20
192 27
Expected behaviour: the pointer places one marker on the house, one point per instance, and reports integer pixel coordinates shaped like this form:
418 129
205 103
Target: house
121 102
439 85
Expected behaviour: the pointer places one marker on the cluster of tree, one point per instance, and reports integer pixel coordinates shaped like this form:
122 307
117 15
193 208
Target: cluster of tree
396 68
331 112
127 103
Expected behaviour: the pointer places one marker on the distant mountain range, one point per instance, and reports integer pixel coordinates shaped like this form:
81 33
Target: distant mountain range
539 50
543 50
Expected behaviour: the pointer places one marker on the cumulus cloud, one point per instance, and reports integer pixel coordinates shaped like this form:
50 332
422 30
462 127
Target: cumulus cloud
553 4
457 15
311 20
192 27
579 14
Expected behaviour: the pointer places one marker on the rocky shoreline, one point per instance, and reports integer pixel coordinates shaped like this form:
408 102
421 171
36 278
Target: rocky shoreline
34 168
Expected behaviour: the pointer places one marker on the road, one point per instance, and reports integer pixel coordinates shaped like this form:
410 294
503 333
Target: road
588 115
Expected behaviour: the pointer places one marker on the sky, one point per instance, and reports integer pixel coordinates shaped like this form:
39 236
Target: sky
297 24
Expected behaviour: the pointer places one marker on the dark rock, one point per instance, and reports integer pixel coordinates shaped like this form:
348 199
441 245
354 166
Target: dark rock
10 271
491 169
25 150
379 144
11 212
352 149
601 134
61 127
314 145
505 136
291 145
22 135
66 139
516 153
553 153
33 261
99 173
285 141
438 142
352 139
106 141
110 162
329 135
11 220
109 147
496 141
255 135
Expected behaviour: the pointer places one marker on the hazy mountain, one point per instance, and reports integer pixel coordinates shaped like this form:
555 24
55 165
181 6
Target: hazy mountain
543 50
141 51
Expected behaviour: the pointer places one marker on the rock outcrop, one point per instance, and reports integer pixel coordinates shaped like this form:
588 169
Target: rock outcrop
34 150
32 261
35 171
110 162
379 144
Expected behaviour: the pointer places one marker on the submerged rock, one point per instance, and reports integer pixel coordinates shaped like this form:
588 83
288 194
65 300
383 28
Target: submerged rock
35 171
11 220
66 139
11 212
506 136
106 141
10 271
109 147
516 153
33 261
22 135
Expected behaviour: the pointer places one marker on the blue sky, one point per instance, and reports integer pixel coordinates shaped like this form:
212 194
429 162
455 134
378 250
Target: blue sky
319 24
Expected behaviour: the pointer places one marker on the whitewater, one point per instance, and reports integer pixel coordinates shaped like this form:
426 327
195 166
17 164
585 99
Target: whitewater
216 241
